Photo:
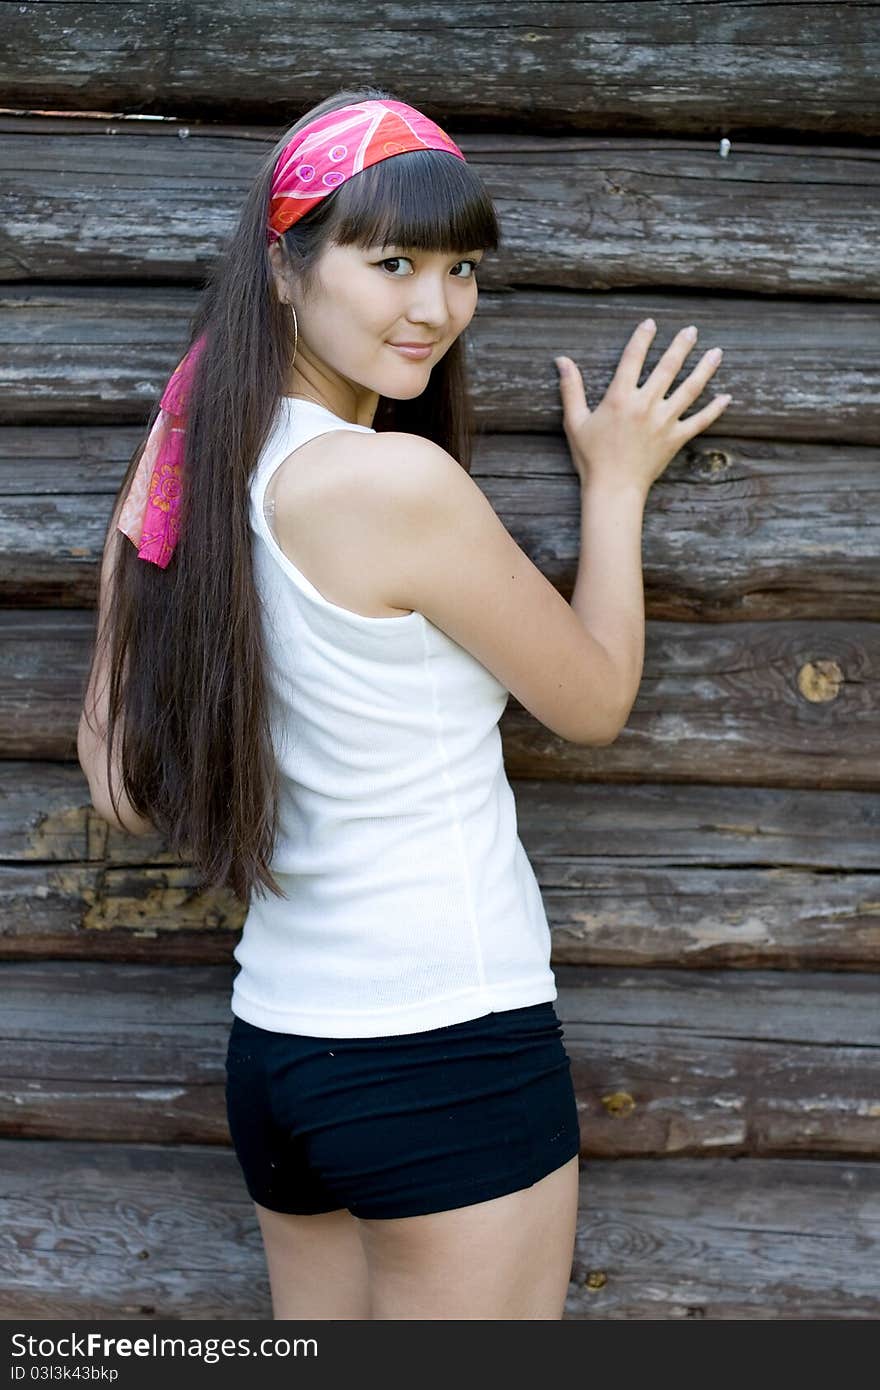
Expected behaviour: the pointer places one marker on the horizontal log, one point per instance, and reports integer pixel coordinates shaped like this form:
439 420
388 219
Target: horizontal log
723 1062
664 1062
156 1232
801 370
559 65
684 876
774 704
657 212
728 1239
777 704
733 528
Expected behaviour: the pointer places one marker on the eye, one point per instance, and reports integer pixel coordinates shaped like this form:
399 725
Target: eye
397 260
393 260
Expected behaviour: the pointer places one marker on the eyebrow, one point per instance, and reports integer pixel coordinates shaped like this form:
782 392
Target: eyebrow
415 250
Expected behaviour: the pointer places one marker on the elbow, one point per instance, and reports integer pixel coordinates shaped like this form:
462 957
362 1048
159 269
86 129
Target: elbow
129 821
619 724
604 742
90 751
603 735
614 735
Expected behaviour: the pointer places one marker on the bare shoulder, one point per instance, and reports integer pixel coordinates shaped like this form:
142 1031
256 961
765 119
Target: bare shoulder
387 480
387 452
330 501
408 471
408 487
341 460
447 554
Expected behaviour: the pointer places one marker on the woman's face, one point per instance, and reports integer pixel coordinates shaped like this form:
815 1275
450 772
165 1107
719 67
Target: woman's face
363 302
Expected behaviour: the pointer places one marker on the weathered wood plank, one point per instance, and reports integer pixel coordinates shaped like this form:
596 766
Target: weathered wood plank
102 355
664 1062
559 65
609 912
757 529
149 1232
721 1238
128 1231
778 704
752 1062
140 202
679 875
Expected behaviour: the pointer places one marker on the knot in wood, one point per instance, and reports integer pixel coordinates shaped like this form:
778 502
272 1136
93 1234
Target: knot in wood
595 1279
820 681
716 461
619 1103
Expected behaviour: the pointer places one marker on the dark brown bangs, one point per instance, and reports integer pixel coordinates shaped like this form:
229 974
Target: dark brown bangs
424 200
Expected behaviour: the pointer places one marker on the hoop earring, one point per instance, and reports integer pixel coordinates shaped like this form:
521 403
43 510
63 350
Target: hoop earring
295 342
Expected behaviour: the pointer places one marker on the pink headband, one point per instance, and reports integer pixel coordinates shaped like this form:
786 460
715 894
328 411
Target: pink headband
315 161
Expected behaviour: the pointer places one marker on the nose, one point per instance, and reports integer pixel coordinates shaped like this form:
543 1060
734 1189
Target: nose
430 303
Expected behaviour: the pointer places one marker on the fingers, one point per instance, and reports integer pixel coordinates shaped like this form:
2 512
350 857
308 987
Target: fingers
630 368
703 418
670 364
632 360
571 384
693 385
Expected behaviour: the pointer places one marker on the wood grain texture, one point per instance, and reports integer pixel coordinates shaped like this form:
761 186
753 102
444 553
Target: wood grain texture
663 1062
133 202
806 371
142 1231
719 1238
734 702
715 929
734 528
658 65
723 1061
679 875
780 704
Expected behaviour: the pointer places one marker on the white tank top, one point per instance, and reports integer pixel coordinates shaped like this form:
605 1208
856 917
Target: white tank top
410 903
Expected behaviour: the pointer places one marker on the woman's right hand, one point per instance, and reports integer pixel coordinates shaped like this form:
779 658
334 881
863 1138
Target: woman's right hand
635 430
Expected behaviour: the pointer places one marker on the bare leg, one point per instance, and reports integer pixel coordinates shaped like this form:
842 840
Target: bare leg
317 1266
506 1258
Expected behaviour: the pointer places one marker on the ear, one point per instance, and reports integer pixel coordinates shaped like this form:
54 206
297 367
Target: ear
276 264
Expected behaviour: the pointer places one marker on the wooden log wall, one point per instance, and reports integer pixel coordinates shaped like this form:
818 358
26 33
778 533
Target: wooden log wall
713 878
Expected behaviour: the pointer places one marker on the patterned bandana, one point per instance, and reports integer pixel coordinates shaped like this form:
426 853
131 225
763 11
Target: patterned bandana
314 162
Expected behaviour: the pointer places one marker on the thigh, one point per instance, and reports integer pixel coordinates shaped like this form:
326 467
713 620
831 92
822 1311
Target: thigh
506 1258
317 1265
314 1253
455 1150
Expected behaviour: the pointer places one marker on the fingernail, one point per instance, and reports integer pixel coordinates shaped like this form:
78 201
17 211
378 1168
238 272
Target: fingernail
648 323
560 364
690 332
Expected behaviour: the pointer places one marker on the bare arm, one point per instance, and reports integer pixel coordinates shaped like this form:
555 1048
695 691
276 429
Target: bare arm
91 750
449 556
619 449
608 595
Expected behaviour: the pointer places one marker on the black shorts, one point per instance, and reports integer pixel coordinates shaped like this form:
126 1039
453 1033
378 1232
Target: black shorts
401 1125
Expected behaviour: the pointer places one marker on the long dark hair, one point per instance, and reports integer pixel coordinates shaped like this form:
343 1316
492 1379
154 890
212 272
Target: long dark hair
186 657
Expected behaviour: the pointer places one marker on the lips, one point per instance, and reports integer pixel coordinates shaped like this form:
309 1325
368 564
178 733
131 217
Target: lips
416 345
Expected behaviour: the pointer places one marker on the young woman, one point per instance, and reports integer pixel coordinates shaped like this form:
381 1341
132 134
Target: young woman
304 648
